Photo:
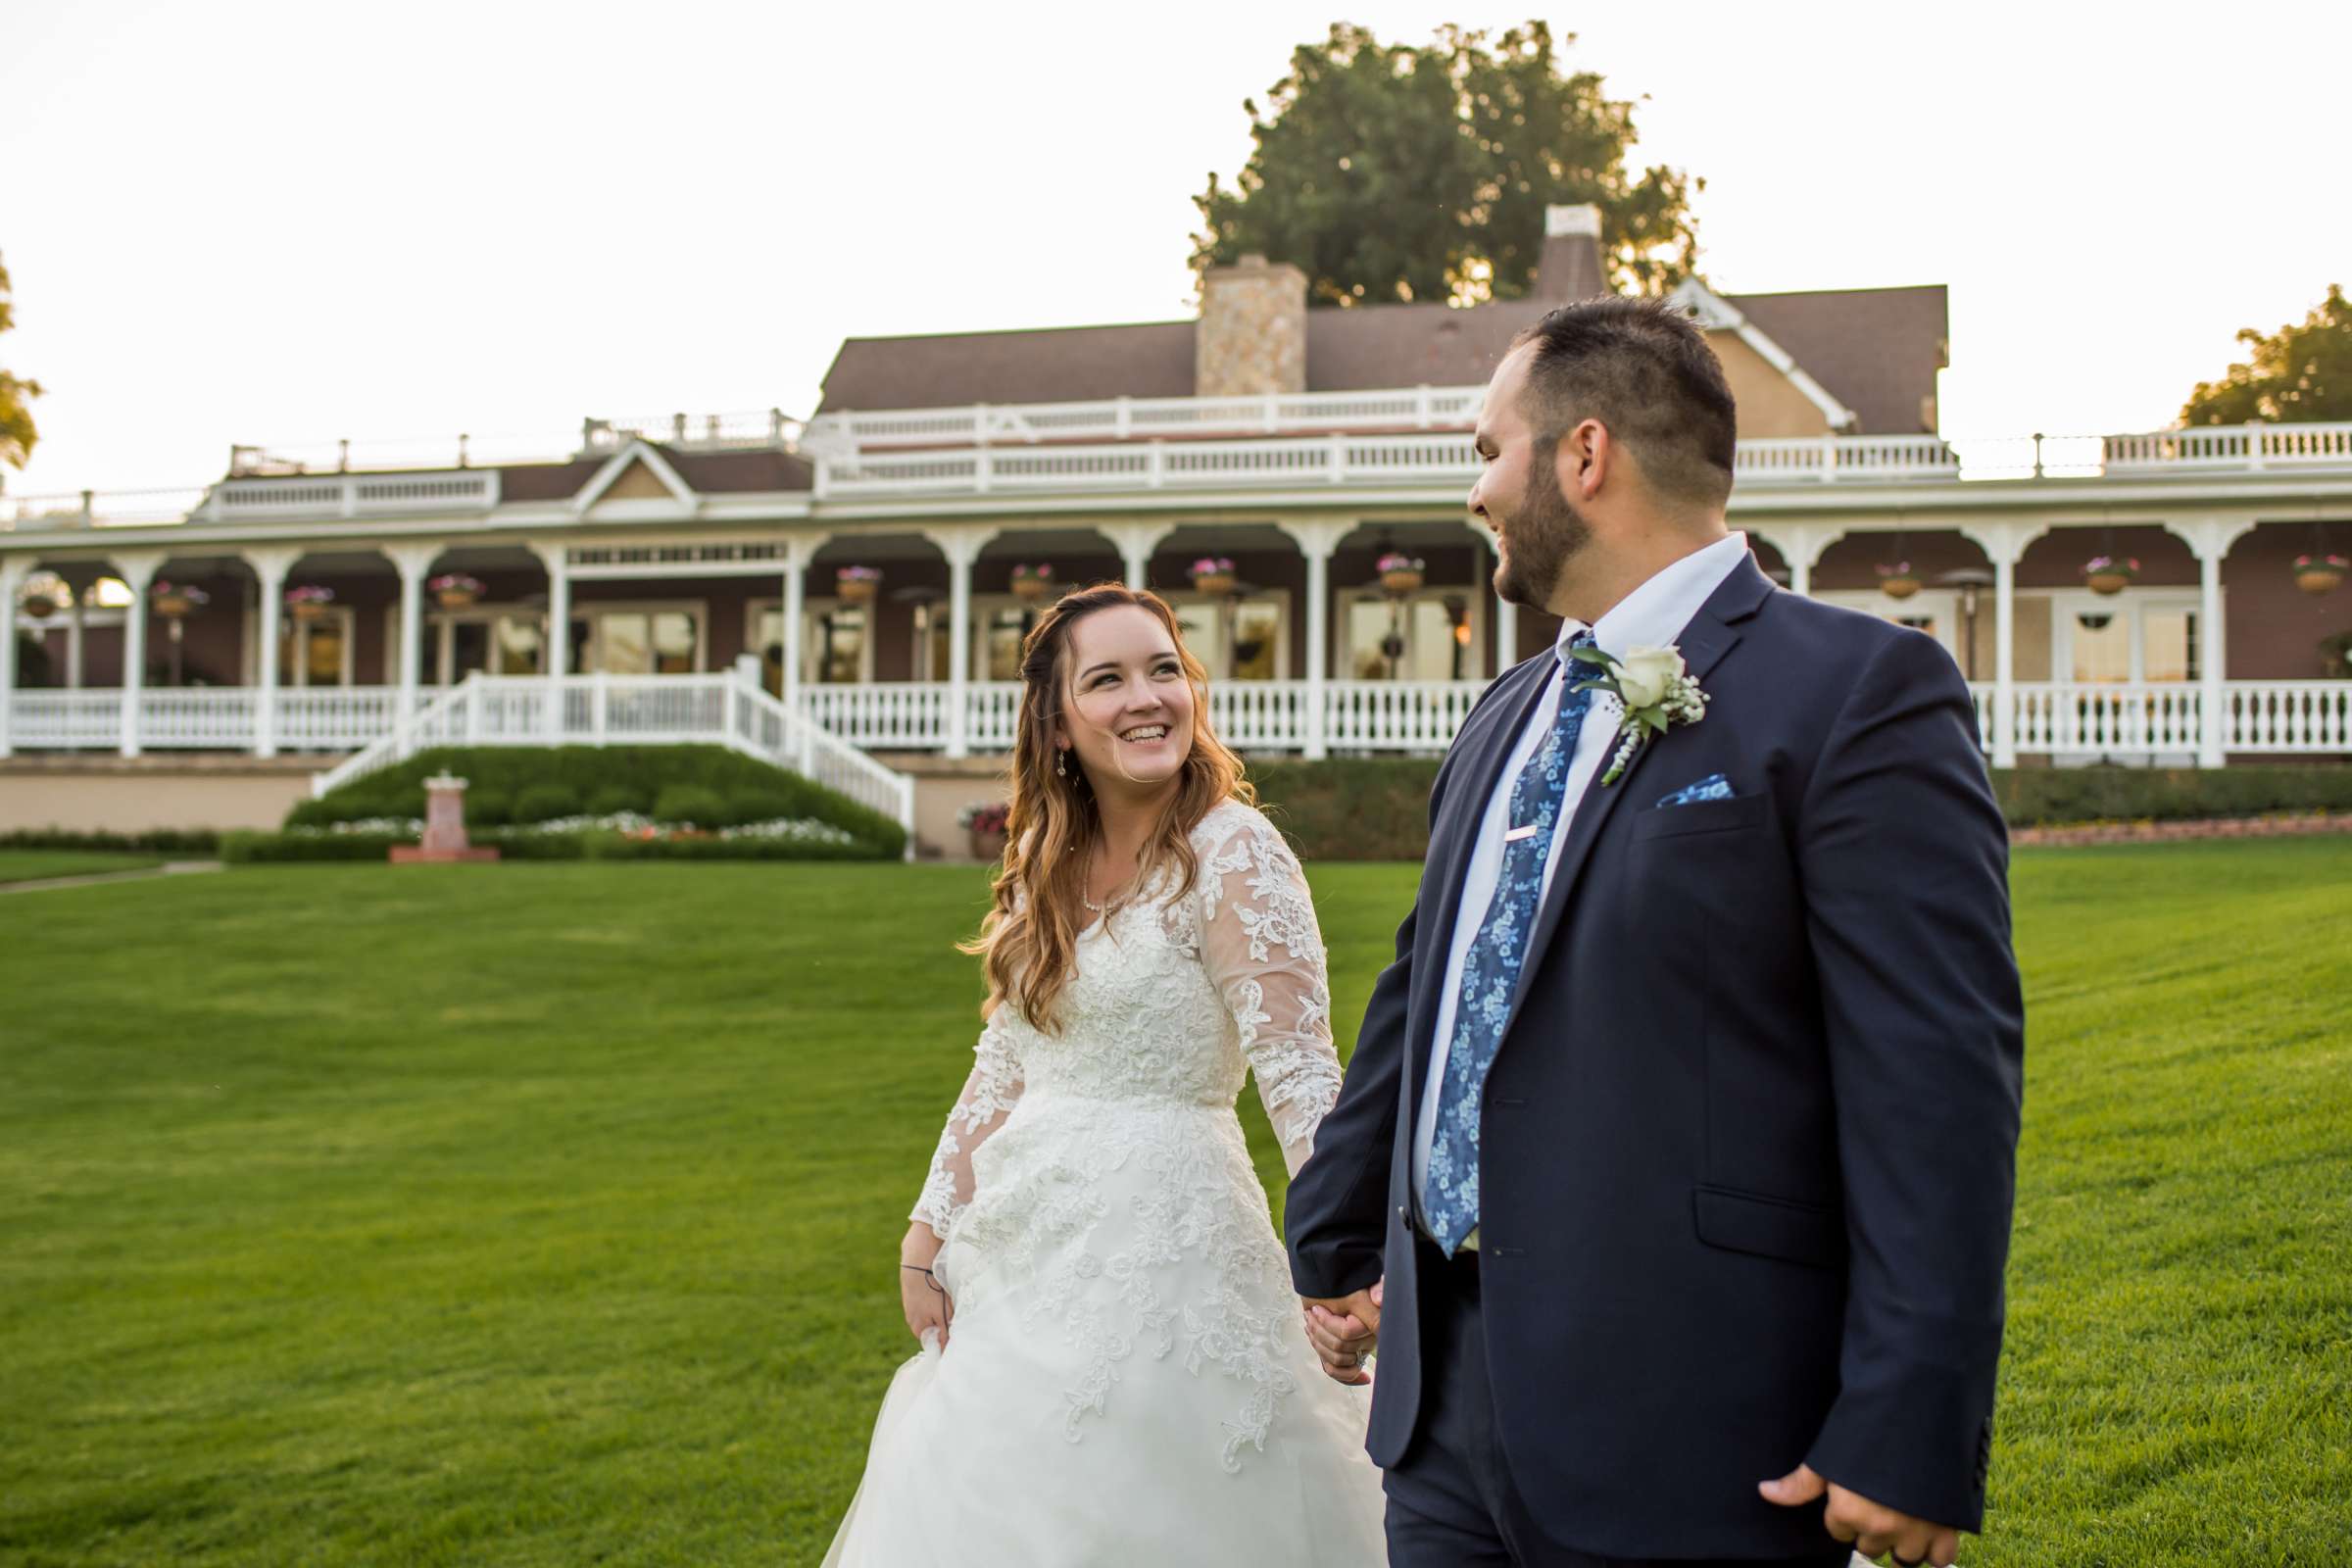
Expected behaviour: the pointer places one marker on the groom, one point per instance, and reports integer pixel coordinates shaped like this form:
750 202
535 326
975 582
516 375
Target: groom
1674 1167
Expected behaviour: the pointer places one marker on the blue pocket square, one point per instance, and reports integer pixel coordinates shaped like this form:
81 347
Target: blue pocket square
1714 787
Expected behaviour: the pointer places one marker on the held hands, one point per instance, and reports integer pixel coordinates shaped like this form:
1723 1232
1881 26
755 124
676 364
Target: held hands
926 1303
1870 1528
1343 1331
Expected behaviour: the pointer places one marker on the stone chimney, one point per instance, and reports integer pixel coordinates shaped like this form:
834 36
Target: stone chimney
1570 268
1253 334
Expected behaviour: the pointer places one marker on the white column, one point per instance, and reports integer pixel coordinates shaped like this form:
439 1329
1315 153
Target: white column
137 573
13 571
1136 542
1801 551
2212 543
2003 544
798 551
961 547
269 569
1316 541
75 630
413 562
558 643
1507 614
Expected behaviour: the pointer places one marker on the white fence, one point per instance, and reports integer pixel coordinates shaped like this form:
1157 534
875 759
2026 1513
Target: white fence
838 725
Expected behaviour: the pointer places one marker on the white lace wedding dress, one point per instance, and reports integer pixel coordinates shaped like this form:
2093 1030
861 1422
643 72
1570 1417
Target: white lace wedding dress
1127 1379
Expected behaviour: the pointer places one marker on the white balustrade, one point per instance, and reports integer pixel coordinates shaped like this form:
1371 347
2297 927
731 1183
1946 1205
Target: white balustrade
2287 715
894 717
1253 715
994 713
2141 717
1390 408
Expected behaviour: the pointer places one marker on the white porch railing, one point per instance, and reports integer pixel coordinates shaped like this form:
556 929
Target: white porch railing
1120 418
2157 716
328 719
2287 715
724 709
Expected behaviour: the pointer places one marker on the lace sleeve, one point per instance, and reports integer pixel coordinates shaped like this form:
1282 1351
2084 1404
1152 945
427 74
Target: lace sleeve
989 1096
1263 950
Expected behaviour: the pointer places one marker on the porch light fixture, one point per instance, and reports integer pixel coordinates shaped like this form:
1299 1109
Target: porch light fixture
1032 583
2094 620
1211 574
857 584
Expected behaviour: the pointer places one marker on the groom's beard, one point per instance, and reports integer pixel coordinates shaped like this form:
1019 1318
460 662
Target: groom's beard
1545 534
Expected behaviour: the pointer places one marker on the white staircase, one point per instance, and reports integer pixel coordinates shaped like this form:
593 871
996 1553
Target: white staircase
728 708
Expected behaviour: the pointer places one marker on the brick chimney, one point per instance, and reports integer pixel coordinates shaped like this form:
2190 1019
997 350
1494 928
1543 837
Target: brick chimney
1570 268
1253 334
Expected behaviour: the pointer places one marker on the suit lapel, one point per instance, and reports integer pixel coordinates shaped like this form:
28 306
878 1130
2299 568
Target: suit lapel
1709 636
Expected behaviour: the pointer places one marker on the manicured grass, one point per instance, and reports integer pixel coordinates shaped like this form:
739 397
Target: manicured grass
38 865
546 1214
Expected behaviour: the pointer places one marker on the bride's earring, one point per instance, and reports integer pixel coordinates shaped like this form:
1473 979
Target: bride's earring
1061 762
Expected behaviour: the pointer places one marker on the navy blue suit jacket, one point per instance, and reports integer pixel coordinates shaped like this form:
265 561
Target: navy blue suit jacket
1747 1148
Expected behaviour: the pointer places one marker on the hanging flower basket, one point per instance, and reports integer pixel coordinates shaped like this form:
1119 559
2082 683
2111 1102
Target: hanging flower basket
1212 574
39 605
454 590
176 599
857 584
1032 583
1400 574
2321 574
1896 579
984 824
309 602
2110 575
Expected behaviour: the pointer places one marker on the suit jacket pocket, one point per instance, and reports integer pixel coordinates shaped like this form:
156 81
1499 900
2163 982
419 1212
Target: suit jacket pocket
1700 816
1770 1227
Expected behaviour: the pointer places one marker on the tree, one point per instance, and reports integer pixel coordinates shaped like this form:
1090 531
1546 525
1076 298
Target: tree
2296 375
1386 172
16 432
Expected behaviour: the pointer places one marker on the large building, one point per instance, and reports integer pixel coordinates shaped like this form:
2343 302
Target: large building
848 591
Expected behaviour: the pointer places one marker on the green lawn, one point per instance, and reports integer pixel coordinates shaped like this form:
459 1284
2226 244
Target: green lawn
546 1214
38 866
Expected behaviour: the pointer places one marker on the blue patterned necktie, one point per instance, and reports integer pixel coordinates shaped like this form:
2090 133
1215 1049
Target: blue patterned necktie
1491 972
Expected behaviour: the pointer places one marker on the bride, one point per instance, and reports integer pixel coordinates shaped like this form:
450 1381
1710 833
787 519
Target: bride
1114 1367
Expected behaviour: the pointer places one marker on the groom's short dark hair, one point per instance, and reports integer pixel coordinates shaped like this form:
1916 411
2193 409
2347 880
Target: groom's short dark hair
1643 368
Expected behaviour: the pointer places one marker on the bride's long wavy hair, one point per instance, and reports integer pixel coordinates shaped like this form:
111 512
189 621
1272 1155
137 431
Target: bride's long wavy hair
1029 939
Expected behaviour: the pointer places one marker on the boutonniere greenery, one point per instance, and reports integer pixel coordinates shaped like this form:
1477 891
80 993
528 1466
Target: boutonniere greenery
1654 687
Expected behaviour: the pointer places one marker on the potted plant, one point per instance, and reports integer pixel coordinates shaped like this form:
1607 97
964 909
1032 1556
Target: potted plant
2110 575
857 584
1897 579
1399 573
984 823
38 603
1212 574
454 590
176 599
2321 574
1030 582
309 601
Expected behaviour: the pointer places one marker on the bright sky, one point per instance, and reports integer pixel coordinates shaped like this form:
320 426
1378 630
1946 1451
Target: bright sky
274 224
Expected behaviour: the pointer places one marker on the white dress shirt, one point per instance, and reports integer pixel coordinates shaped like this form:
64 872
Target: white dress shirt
1652 616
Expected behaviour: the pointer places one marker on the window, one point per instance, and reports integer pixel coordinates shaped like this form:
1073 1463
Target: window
496 643
1429 636
316 652
2138 635
646 642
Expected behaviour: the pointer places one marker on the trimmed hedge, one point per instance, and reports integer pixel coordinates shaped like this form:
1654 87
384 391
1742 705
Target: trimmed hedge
607 779
155 841
1378 809
255 849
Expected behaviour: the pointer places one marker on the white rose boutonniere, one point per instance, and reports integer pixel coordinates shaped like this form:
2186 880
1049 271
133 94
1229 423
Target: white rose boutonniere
1653 687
